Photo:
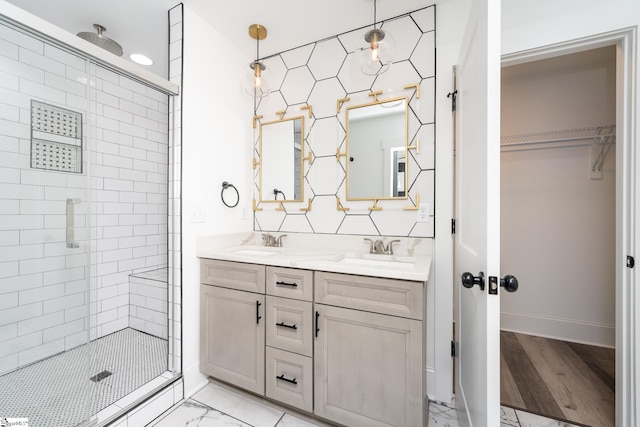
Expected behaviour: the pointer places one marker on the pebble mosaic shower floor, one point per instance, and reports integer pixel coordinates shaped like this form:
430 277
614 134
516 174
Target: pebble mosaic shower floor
58 391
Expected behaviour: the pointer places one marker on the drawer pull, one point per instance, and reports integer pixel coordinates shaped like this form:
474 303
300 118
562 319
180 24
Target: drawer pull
293 285
317 325
258 317
283 378
284 325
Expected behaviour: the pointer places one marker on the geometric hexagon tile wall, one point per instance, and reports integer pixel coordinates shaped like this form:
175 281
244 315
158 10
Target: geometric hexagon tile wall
317 75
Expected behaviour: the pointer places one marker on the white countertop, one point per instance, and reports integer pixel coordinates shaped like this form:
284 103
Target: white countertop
351 256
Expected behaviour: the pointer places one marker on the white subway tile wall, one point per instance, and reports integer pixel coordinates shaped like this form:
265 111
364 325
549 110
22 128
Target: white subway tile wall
44 298
148 302
129 200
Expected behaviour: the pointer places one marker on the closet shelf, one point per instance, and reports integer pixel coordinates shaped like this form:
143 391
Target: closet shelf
600 135
601 138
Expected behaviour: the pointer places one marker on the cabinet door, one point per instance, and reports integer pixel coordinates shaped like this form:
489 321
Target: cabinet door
232 336
367 368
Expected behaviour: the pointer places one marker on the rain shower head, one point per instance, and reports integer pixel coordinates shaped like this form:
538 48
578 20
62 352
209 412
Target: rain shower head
102 41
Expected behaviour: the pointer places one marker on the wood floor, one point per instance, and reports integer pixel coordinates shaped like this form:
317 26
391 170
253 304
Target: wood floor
557 379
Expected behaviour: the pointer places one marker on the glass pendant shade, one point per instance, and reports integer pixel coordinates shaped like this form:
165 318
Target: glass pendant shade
377 49
376 52
256 82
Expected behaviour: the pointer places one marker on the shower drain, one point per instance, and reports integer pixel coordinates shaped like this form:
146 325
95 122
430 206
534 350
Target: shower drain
100 376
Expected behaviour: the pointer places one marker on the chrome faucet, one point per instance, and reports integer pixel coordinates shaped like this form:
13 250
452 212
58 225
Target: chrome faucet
389 248
378 246
279 240
271 240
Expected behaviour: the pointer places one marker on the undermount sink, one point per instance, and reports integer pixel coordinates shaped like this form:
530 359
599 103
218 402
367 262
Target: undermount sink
380 262
257 252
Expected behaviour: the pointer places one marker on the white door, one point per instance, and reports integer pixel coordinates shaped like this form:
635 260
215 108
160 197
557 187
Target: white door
477 239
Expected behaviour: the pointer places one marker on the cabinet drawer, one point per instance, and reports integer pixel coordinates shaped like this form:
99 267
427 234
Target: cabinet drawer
289 379
233 275
289 325
290 283
387 296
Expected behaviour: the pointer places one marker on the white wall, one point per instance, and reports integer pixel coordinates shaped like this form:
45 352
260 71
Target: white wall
216 139
558 224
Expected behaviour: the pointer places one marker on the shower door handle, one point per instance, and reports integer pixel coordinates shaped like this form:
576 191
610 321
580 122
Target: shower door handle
71 229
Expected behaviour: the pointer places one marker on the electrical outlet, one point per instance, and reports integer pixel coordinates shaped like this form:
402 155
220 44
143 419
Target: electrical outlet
423 212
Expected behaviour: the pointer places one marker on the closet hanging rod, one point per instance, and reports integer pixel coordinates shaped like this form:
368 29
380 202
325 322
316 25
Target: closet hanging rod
598 139
600 135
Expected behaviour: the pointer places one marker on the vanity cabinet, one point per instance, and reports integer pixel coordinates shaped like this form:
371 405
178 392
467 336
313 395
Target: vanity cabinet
368 354
232 325
347 348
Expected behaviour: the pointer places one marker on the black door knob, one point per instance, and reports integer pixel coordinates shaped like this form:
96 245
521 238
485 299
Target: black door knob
509 283
469 280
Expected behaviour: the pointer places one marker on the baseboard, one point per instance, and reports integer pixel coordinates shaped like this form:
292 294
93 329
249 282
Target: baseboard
562 329
430 376
194 380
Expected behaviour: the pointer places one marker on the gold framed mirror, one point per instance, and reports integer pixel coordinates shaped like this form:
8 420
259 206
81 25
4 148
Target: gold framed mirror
281 160
377 150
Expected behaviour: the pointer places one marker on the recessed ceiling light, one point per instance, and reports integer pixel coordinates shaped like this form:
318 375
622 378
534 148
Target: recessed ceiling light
141 59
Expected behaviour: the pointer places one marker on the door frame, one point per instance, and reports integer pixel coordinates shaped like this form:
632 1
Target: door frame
627 300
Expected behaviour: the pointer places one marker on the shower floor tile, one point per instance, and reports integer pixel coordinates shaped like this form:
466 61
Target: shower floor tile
58 391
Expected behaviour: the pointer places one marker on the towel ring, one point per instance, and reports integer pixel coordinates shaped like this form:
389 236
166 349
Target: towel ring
226 185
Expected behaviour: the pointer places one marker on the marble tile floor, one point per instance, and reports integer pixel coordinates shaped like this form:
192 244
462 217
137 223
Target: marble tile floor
441 415
215 406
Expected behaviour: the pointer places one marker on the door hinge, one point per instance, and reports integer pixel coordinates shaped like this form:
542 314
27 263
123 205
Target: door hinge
452 95
630 261
453 226
453 349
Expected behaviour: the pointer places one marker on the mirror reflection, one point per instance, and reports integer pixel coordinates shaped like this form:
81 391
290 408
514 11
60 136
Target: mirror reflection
377 150
281 147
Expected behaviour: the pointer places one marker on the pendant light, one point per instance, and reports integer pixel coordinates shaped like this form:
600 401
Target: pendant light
256 83
377 49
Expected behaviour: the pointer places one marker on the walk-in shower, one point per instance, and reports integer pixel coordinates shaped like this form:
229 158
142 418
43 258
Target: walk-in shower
86 293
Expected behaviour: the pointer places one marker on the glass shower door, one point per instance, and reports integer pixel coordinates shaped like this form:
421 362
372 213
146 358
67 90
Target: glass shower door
44 253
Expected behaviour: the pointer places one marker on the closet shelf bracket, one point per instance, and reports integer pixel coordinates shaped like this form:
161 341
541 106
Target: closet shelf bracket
600 152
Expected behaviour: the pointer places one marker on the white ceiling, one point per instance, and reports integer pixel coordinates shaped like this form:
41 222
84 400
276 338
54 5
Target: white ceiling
140 26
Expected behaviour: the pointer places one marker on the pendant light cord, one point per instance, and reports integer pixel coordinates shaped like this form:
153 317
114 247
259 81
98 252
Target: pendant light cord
258 46
374 14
